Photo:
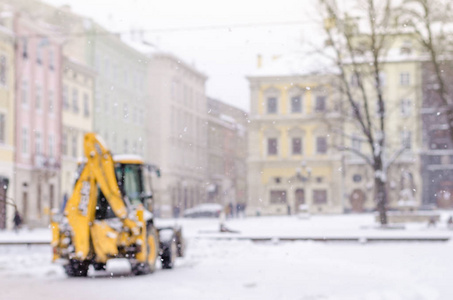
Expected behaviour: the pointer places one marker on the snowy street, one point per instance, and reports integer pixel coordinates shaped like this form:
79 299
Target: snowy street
232 269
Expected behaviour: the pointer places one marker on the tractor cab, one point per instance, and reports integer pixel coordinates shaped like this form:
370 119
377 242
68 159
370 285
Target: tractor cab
134 180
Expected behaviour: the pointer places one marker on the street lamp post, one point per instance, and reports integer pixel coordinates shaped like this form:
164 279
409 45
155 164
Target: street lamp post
303 175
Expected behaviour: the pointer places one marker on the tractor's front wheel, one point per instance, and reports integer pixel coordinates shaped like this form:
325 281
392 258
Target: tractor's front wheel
76 268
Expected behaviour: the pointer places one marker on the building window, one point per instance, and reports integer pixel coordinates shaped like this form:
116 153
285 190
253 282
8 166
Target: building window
272 148
97 101
38 104
106 66
297 146
354 80
24 93
106 103
406 137
38 143
65 97
382 79
126 146
271 105
405 79
406 107
24 48
74 145
51 60
51 103
406 47
3 70
2 128
135 114
356 143
51 146
136 80
125 111
39 52
24 141
75 100
190 95
296 104
319 196
115 72
64 144
278 197
86 105
321 145
114 142
173 90
357 178
320 105
114 107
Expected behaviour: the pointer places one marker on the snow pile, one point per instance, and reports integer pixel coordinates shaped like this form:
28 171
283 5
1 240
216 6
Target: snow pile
233 269
244 270
296 64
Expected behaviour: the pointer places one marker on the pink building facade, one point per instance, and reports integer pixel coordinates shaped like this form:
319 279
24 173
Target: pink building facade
38 119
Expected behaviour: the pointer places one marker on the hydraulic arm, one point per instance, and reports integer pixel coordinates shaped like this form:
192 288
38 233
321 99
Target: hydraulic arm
98 171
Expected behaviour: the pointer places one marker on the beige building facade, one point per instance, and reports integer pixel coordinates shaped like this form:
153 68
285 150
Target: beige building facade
227 154
292 166
77 118
177 141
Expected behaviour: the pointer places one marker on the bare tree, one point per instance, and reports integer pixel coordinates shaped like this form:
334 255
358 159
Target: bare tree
359 57
431 20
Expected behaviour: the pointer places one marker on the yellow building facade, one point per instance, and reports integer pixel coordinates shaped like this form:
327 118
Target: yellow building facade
78 114
7 131
401 78
292 164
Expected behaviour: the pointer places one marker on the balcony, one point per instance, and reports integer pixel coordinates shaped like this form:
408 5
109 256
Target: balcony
45 163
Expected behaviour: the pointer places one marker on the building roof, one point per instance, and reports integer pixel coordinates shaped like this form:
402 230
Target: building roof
295 64
170 56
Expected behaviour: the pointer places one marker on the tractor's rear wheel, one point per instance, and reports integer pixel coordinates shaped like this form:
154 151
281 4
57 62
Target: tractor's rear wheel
180 242
99 266
152 247
169 254
77 268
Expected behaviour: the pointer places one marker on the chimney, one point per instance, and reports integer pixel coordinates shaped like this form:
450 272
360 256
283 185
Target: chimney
259 61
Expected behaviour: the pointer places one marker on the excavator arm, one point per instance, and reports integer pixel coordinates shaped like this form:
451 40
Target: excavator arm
99 171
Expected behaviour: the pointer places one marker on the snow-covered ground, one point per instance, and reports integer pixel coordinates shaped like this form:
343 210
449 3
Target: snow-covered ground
233 269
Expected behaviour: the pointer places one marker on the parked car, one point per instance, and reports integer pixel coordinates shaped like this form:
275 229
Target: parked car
205 210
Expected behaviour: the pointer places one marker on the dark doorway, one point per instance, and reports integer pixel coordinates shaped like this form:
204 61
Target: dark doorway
51 196
38 203
300 199
357 199
25 206
4 182
445 194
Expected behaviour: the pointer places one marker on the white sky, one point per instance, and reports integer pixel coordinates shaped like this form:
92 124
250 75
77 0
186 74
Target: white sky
225 55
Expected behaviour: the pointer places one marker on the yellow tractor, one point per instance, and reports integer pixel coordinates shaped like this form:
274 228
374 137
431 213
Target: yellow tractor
109 215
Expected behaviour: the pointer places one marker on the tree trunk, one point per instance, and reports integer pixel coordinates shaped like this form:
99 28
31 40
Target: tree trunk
381 199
